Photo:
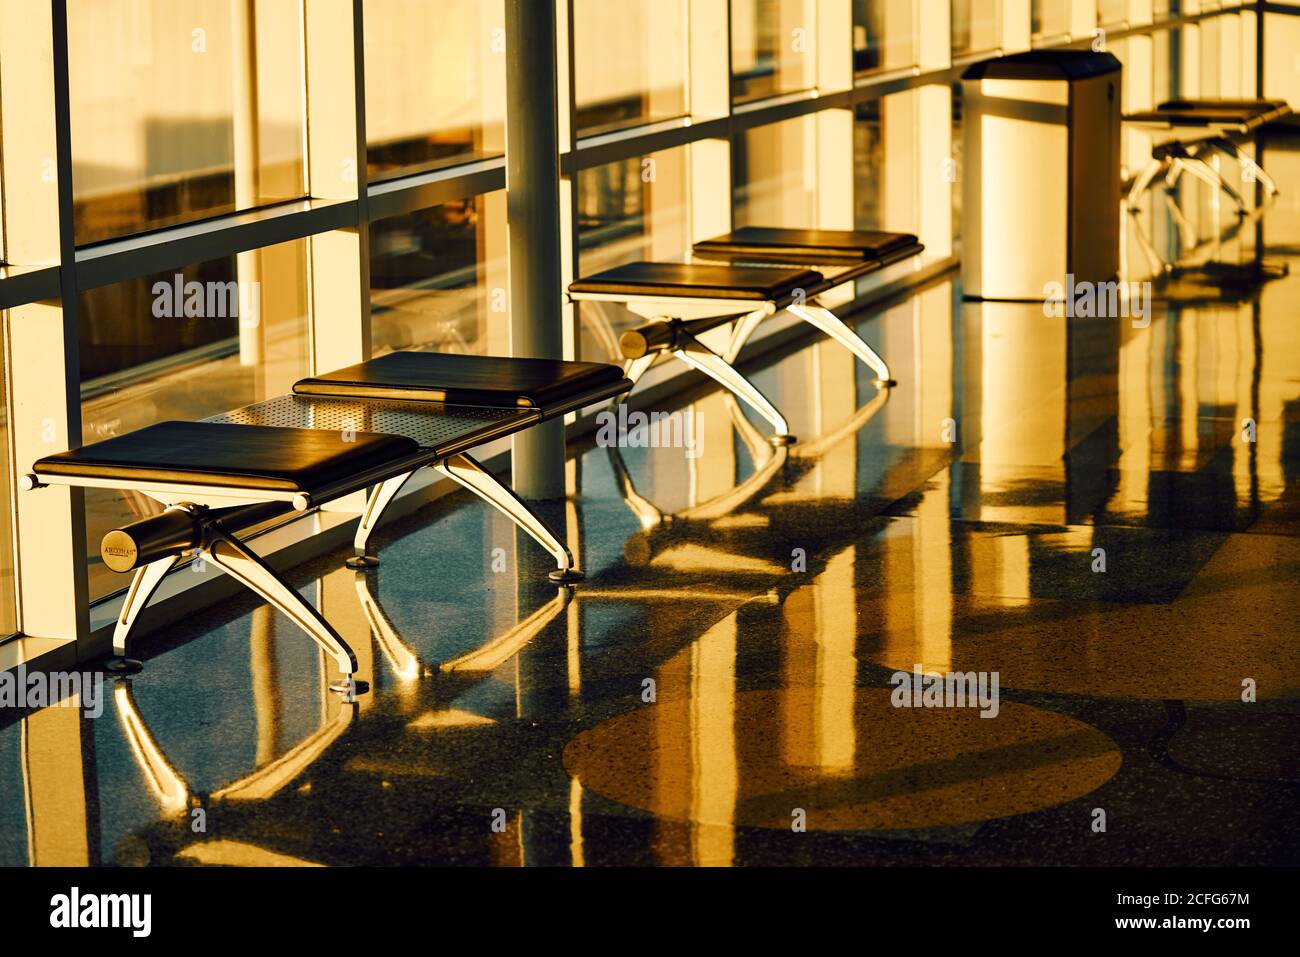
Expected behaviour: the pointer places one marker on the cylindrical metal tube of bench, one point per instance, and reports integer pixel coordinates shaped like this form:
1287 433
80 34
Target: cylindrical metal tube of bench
150 539
652 337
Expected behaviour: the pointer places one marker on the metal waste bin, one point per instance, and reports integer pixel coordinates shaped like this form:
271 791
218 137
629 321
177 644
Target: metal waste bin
1041 184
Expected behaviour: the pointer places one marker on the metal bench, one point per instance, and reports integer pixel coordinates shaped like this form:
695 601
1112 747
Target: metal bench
372 425
747 276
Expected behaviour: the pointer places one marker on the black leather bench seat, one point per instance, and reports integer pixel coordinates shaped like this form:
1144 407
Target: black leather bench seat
246 457
1246 114
701 281
492 381
807 246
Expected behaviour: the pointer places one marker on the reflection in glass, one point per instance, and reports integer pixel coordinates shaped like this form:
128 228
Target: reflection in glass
1051 19
438 279
882 35
435 83
629 62
774 177
1111 12
974 26
182 110
772 48
628 211
185 344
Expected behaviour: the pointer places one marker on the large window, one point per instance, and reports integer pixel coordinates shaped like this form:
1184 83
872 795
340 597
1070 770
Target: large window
883 37
628 210
185 344
182 109
974 26
435 83
774 177
438 279
772 48
629 62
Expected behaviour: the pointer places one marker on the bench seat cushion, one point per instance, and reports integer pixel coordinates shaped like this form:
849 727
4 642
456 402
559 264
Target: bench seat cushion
1211 113
811 246
251 457
494 381
695 281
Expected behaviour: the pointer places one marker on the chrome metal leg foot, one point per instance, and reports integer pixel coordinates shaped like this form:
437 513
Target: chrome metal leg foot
835 327
143 585
467 472
232 557
381 496
698 356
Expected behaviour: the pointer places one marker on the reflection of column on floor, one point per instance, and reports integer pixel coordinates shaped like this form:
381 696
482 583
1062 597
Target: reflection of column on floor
573 533
700 786
917 583
55 788
714 772
261 644
336 598
506 848
835 400
902 426
714 472
1135 411
1276 387
819 638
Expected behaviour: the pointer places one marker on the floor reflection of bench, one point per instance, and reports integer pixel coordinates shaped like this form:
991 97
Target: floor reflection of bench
755 272
369 426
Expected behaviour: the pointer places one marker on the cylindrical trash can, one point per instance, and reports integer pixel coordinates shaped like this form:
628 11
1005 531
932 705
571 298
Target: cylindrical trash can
1041 184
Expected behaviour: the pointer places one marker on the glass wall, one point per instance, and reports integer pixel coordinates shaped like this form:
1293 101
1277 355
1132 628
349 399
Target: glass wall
435 83
1050 20
218 177
438 279
883 36
630 210
185 343
974 26
629 62
196 112
772 48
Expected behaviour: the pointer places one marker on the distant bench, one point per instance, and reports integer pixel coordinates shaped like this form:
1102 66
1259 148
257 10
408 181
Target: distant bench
749 275
372 425
1196 127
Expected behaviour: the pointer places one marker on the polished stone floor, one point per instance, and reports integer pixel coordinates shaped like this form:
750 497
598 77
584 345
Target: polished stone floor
1075 508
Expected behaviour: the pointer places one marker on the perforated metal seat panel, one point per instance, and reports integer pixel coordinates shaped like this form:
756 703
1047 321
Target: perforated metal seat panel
432 425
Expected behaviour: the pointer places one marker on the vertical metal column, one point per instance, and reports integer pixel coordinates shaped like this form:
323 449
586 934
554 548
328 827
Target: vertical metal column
533 213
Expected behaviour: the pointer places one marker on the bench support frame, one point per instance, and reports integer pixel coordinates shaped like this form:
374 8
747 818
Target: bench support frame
224 550
468 473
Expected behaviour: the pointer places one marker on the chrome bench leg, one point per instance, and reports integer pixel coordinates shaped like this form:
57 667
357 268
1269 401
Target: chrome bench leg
837 329
1198 167
1236 152
381 496
1143 183
232 557
700 357
467 472
143 585
740 334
